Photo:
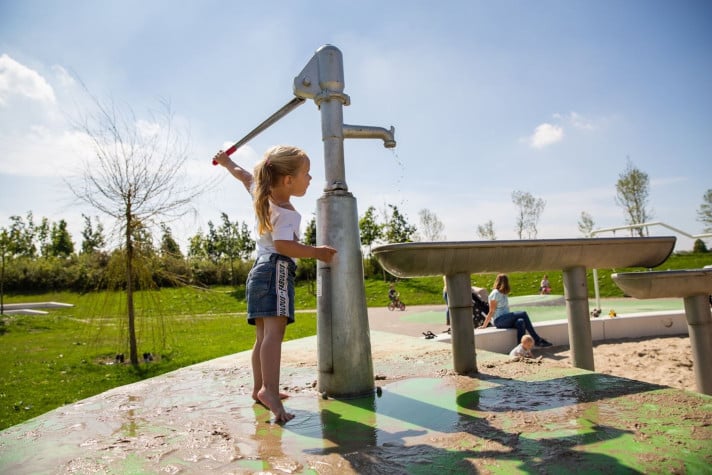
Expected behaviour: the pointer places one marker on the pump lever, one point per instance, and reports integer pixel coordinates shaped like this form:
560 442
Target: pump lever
284 110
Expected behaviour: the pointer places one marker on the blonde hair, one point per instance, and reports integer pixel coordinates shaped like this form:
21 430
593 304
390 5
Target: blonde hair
277 162
501 283
527 338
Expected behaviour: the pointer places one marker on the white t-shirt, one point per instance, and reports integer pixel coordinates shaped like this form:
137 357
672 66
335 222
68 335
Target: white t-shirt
520 351
285 227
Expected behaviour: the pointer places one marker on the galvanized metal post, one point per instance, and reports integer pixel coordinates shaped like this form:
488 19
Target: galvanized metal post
344 346
576 293
459 302
699 324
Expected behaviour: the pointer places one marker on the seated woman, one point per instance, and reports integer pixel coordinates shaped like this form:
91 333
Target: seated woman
504 318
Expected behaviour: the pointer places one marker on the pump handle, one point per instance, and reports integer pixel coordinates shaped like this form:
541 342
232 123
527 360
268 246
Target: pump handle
286 109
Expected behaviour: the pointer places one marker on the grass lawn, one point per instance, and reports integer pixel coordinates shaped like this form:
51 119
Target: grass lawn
70 354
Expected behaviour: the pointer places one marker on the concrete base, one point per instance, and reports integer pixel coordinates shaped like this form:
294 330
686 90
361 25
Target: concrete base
634 325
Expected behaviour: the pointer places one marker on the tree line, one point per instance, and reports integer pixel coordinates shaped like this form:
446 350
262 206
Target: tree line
42 255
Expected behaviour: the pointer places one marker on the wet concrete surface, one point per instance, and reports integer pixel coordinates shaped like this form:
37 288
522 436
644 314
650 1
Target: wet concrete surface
511 417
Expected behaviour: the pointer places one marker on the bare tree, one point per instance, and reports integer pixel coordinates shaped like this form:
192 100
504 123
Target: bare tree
136 177
586 224
632 190
704 213
529 211
430 226
486 231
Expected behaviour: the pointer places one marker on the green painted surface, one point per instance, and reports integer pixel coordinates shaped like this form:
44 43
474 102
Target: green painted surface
577 415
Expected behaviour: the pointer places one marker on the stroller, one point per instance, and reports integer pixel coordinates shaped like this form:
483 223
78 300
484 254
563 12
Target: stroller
480 306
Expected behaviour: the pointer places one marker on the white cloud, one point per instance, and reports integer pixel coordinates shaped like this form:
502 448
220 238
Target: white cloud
147 129
44 151
576 120
63 77
580 122
545 135
18 79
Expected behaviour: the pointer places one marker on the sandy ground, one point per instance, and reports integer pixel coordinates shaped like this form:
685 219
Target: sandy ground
666 361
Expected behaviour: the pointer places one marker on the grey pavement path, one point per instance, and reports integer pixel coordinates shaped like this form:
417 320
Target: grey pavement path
382 319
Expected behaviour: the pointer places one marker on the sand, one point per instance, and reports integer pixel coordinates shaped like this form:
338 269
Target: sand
666 360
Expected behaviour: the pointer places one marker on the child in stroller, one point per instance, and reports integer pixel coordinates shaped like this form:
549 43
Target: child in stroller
480 306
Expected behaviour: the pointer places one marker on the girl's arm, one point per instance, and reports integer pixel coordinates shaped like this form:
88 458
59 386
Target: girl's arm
493 307
299 250
235 170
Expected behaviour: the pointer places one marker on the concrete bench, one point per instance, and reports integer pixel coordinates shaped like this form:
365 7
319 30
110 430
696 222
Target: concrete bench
632 325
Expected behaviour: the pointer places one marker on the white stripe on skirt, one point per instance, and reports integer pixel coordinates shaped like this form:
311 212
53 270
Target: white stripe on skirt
282 284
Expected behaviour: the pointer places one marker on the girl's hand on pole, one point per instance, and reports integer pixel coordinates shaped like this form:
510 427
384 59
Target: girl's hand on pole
325 253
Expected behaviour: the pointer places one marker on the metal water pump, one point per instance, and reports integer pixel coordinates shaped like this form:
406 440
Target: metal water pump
344 345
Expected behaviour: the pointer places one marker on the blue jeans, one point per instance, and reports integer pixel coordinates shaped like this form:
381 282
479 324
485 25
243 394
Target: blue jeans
447 309
518 320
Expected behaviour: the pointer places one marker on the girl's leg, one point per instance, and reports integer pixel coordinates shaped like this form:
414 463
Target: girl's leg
270 359
256 363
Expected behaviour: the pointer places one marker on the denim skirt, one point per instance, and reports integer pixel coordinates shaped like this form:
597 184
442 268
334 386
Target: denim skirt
270 288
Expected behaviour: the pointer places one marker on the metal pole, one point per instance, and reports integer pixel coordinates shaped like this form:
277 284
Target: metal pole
576 293
344 346
596 289
459 301
699 324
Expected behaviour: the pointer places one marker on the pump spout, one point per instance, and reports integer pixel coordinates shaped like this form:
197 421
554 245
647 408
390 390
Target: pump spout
366 132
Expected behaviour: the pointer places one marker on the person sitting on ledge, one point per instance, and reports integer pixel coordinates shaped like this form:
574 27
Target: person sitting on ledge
504 318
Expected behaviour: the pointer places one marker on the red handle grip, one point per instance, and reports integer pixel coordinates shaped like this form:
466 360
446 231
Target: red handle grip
228 152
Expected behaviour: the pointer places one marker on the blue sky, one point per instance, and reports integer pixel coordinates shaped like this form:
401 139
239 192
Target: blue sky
548 97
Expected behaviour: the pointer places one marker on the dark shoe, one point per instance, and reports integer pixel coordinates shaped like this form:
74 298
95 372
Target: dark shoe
542 343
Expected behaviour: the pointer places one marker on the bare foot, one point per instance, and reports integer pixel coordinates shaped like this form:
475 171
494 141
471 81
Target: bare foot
274 403
257 399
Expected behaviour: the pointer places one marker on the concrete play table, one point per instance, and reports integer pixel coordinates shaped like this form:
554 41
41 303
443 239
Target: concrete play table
457 260
694 287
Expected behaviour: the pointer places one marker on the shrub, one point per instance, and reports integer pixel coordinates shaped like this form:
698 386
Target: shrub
699 246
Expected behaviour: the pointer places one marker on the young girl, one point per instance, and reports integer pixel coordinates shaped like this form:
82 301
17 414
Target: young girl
282 173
